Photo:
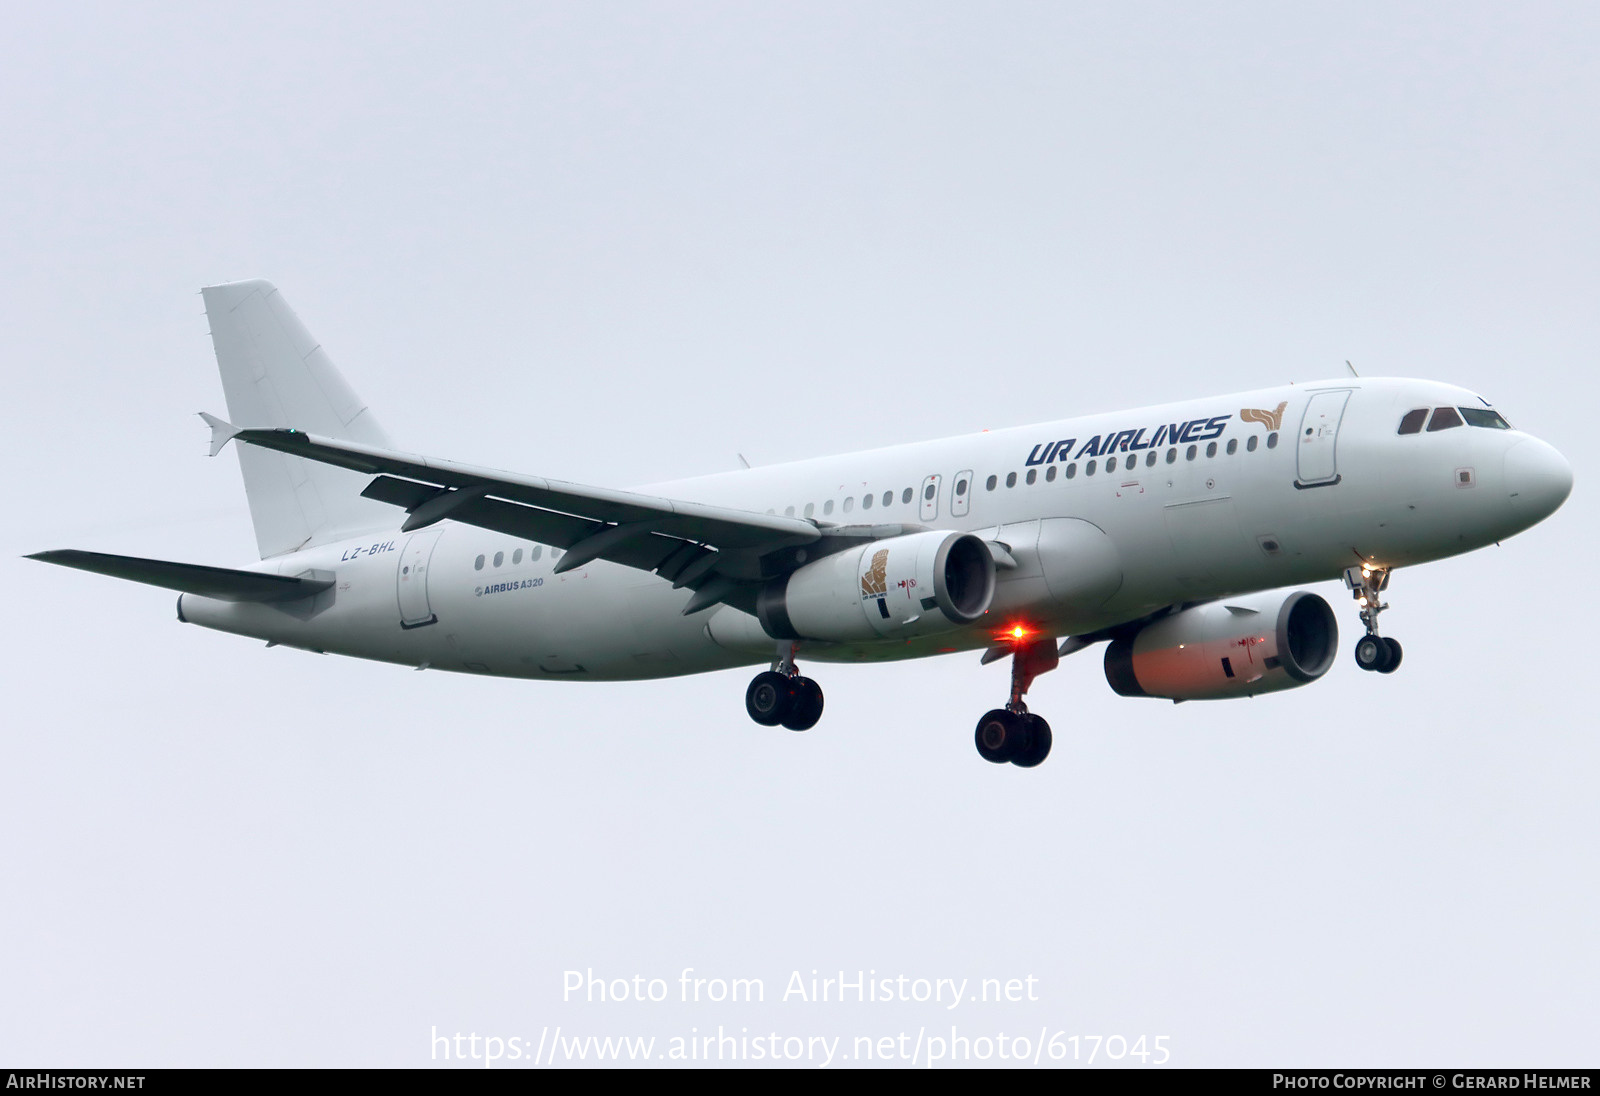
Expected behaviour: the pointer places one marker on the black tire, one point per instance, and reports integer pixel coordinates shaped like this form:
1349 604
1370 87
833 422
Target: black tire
1039 746
1395 655
1001 735
769 698
1372 653
806 708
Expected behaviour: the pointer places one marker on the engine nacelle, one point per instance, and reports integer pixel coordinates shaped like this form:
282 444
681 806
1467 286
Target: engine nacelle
905 586
1236 647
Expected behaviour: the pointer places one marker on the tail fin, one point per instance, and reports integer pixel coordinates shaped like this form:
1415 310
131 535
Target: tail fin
274 374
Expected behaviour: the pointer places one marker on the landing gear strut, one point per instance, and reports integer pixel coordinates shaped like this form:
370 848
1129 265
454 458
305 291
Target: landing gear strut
1013 733
781 696
1373 652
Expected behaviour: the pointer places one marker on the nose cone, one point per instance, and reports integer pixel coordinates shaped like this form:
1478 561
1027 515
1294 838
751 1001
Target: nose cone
1538 478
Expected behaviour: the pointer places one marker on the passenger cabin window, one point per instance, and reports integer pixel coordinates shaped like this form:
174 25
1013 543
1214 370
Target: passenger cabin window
1444 418
866 502
811 508
1011 479
827 506
988 484
516 557
1033 476
1477 416
477 564
905 496
1411 422
1251 444
499 558
1072 470
1233 446
1111 464
961 489
1050 474
538 550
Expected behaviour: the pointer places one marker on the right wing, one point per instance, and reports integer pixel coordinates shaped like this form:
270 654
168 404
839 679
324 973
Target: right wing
723 554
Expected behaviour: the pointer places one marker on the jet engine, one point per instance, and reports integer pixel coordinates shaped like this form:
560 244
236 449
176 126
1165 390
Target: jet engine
1234 647
900 587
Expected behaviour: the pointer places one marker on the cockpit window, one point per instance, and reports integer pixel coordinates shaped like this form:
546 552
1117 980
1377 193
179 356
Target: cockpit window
1476 416
1412 423
1443 419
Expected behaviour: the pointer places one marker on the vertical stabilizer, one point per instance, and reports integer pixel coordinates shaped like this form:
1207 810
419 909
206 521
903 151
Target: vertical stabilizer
274 374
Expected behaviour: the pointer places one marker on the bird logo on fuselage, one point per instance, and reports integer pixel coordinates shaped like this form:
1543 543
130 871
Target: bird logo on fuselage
1272 420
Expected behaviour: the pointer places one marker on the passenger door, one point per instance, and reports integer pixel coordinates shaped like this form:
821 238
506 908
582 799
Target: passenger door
411 578
1317 451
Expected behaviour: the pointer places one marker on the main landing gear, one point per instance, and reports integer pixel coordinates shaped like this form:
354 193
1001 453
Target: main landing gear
1373 652
781 696
1013 733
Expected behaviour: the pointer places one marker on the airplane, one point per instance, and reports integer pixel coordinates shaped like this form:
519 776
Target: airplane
1172 534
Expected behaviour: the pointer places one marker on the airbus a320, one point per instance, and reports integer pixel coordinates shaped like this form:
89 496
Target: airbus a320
1171 534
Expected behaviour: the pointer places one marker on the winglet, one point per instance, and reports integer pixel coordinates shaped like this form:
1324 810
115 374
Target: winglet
221 432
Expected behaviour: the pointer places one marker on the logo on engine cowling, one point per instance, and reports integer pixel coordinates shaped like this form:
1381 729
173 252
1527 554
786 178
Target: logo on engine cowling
875 583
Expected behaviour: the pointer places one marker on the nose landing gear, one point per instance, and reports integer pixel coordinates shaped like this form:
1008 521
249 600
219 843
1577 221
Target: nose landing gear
1373 652
1013 733
781 696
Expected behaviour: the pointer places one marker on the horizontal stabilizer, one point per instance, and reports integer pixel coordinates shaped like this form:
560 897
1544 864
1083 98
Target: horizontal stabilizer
221 583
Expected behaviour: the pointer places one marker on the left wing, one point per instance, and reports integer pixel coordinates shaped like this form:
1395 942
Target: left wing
723 554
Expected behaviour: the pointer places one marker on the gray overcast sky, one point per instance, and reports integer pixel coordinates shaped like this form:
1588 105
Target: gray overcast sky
618 243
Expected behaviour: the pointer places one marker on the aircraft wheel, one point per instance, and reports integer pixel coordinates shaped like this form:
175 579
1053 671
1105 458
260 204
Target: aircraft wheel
769 698
1395 655
1038 748
1001 736
806 707
1372 653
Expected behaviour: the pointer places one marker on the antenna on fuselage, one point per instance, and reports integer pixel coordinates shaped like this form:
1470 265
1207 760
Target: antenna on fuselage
744 462
1350 367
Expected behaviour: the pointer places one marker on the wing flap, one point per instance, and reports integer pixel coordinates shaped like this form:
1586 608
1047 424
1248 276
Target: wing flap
222 583
650 552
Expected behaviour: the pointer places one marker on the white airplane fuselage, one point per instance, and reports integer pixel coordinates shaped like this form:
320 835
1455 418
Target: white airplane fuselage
1207 499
